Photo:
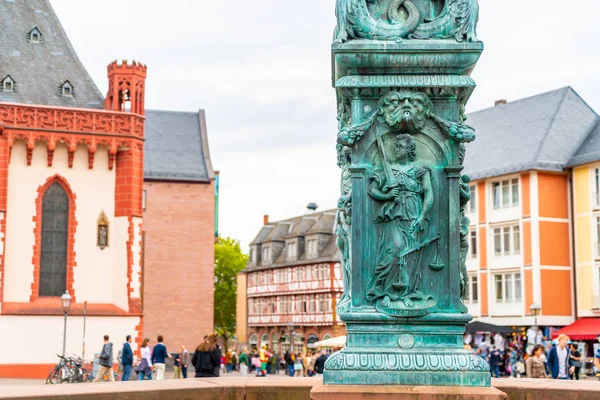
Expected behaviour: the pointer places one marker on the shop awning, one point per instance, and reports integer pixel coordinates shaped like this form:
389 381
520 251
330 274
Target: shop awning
582 329
339 341
482 327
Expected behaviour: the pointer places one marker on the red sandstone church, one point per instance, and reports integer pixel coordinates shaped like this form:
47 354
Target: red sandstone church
98 197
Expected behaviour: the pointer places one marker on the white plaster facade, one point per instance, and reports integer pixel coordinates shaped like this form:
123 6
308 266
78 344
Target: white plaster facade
38 340
100 276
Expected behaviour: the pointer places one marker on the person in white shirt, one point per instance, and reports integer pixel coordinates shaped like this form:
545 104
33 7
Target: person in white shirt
559 360
144 369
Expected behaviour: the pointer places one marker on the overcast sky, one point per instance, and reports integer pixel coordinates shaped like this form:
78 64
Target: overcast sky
261 70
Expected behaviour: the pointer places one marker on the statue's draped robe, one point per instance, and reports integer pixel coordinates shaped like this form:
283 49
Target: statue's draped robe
395 276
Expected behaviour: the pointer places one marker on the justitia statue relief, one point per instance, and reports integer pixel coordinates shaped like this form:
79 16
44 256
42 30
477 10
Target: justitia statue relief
401 72
404 188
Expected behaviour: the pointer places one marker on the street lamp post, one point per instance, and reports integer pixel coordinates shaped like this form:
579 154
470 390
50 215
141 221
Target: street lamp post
66 304
535 309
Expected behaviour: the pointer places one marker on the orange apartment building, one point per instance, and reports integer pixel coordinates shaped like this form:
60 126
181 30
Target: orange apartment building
521 213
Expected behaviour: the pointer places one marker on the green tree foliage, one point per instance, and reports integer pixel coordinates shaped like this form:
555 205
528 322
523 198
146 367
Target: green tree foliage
229 261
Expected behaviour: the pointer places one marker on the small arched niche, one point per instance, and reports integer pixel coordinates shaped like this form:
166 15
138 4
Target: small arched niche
102 231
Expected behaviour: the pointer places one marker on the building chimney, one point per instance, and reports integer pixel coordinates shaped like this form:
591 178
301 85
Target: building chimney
312 207
500 102
265 219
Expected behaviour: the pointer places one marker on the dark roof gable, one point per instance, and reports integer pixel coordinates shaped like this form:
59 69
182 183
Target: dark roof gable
38 69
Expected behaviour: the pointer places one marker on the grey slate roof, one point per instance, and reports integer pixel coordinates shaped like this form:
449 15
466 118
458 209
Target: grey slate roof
176 147
322 222
543 132
40 69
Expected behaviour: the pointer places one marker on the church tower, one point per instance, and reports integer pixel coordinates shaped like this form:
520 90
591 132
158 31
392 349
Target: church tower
126 87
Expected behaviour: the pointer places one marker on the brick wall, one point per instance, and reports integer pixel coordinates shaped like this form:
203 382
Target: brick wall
178 262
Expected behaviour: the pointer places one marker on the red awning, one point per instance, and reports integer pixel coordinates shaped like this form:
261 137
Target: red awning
582 329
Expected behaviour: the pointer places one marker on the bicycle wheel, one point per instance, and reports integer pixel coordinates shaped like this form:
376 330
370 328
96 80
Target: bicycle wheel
117 377
54 376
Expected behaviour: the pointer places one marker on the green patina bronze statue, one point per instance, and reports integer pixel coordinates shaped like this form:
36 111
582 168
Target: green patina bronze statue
401 73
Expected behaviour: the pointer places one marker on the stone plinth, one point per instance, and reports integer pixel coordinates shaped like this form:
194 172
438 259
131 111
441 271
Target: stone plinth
360 392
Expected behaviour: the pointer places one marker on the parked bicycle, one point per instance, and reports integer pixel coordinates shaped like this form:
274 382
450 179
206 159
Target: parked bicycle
68 369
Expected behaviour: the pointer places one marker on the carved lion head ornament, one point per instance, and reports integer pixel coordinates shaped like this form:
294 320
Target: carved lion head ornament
405 111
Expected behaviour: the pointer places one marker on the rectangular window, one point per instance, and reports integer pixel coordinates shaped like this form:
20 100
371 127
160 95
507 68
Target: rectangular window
471 295
518 288
506 193
144 194
498 280
496 190
597 237
498 241
251 255
473 201
291 251
507 241
516 240
311 248
266 254
508 288
473 244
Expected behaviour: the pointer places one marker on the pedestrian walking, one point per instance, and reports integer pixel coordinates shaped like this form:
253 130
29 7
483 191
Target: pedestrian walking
234 361
228 361
159 355
559 360
145 367
185 361
320 363
244 362
126 358
576 358
535 365
106 361
298 366
495 359
177 366
207 357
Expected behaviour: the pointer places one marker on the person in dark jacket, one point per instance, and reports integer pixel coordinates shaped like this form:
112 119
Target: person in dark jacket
127 358
207 358
560 362
320 363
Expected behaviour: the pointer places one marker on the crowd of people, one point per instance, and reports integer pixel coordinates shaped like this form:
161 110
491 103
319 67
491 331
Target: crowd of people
264 361
207 360
545 360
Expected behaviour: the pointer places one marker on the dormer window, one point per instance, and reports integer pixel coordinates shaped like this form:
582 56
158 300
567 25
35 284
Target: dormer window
67 89
35 36
291 251
8 84
311 248
266 256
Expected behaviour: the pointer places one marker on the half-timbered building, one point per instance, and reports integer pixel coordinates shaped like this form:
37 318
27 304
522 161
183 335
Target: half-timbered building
288 291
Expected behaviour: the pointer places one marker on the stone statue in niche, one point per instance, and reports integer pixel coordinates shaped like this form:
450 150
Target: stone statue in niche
402 19
344 217
102 232
403 186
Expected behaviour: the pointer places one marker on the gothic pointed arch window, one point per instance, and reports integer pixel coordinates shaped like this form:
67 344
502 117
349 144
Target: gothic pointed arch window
54 243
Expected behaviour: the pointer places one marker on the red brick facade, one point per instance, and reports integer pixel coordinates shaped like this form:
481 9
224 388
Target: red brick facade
178 262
